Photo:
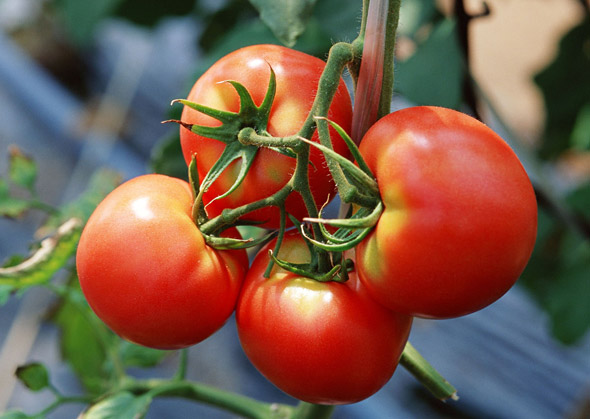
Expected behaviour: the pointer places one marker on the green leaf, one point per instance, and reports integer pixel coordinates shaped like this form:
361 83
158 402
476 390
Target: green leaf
101 183
84 342
9 206
336 19
167 158
134 355
580 138
122 405
565 86
5 292
82 17
419 83
34 376
558 271
22 169
19 414
286 18
53 253
414 15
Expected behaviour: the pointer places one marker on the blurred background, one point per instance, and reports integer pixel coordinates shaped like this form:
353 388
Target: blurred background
84 87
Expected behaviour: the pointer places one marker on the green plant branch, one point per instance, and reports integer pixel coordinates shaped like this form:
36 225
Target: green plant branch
354 66
249 136
412 361
61 400
393 9
182 365
312 411
233 402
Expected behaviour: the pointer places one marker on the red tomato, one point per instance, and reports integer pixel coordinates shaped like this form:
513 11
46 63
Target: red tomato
146 270
327 343
297 76
460 214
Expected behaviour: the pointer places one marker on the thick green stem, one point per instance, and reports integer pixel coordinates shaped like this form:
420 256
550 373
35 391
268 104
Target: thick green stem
233 402
231 215
412 361
182 365
388 59
249 136
312 411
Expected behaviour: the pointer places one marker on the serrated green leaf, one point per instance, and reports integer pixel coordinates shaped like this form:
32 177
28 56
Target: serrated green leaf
22 169
133 355
9 206
123 405
287 19
50 257
565 86
415 78
34 376
84 342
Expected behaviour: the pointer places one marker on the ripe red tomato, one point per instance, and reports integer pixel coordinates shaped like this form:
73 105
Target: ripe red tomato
460 214
297 76
146 270
321 342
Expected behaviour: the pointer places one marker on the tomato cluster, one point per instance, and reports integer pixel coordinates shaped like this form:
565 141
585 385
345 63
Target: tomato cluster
457 229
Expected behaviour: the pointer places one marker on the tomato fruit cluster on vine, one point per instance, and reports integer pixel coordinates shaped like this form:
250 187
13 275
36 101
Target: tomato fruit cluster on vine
457 227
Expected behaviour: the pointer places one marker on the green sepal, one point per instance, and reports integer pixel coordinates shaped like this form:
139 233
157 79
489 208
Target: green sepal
199 214
231 152
249 115
306 270
221 115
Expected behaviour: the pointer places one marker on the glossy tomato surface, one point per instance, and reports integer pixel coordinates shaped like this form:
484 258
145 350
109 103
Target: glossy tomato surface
297 76
326 343
146 270
460 214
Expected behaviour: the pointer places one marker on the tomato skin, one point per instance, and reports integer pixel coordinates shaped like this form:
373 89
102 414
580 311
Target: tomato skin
146 270
297 76
460 215
326 343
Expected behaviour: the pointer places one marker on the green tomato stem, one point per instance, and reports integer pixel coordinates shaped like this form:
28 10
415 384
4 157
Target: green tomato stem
421 369
232 402
182 365
388 57
249 136
312 411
